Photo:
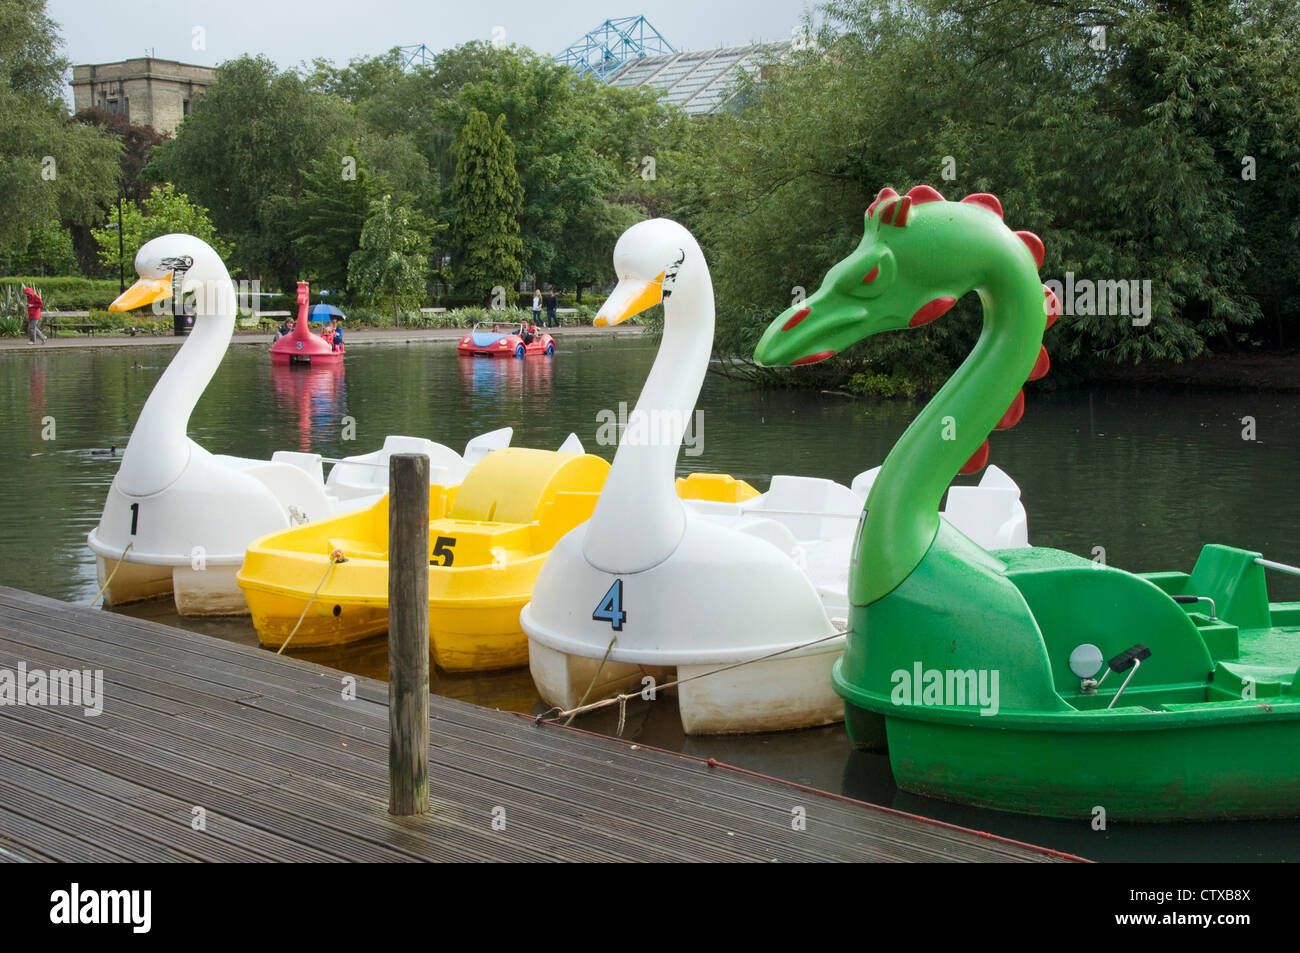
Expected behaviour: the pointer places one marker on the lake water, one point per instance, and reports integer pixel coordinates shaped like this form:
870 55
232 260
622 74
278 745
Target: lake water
1147 475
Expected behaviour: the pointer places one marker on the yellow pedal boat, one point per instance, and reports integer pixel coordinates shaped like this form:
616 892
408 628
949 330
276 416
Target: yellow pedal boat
488 538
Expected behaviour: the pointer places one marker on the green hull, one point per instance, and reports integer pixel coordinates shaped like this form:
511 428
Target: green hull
1208 728
1203 768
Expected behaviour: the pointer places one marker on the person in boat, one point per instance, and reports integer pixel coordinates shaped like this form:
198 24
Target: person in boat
334 333
526 332
284 330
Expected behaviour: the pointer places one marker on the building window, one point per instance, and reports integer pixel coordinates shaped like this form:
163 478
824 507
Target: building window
185 107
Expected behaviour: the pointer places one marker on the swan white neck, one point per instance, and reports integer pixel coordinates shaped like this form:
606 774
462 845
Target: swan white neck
160 448
639 519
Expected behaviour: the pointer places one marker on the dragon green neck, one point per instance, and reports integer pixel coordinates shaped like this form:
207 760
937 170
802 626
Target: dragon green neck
902 514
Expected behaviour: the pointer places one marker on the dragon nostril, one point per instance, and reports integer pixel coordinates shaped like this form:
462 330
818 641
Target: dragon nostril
796 318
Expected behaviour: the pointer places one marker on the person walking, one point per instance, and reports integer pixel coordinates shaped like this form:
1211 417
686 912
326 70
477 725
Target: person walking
552 305
537 305
34 304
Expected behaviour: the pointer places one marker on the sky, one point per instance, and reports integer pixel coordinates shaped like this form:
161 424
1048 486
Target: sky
291 32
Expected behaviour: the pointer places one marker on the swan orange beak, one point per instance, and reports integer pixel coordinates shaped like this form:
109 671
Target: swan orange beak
630 297
144 292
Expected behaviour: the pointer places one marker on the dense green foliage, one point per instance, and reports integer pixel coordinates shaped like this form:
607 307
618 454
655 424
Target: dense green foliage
68 294
1126 155
391 263
47 249
163 212
51 169
488 201
1146 140
245 145
327 219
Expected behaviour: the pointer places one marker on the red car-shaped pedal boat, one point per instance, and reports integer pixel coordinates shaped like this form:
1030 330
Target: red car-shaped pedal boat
505 340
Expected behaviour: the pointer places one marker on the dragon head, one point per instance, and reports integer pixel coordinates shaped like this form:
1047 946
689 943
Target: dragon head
918 255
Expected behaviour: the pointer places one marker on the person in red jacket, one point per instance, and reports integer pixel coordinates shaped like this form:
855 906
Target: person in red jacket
34 304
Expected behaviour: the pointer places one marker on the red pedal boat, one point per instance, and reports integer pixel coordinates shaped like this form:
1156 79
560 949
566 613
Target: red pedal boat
301 345
505 340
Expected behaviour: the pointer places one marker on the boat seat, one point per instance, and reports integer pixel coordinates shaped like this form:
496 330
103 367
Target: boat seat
308 463
1076 601
991 513
480 446
812 508
1235 582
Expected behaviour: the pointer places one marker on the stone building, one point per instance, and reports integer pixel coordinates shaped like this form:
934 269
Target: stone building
147 91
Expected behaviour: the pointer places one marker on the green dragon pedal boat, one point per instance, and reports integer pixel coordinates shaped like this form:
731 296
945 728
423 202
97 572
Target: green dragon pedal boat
1033 680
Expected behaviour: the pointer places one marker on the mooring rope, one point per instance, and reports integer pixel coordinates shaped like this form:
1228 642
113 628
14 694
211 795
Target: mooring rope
592 684
109 580
336 557
622 698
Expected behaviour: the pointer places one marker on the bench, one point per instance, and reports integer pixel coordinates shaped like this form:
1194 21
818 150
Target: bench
54 326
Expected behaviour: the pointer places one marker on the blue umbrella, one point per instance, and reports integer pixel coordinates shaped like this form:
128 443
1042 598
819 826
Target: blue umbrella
323 312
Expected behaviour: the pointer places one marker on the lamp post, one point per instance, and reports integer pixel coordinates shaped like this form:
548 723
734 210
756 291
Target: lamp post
121 251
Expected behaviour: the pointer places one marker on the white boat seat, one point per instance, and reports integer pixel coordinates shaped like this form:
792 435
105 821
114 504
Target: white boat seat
480 446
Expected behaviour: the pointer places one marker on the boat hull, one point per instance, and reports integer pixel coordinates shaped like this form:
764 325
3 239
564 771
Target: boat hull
461 638
210 591
777 695
1188 771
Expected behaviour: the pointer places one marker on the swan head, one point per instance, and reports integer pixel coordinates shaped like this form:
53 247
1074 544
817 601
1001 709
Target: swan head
652 259
175 265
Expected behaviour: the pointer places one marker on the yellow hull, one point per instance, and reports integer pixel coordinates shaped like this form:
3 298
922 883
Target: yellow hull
498 527
462 638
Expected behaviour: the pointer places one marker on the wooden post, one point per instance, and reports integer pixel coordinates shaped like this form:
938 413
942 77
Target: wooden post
408 633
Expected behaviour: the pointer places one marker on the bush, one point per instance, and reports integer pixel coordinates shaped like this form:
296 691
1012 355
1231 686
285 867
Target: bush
70 294
889 385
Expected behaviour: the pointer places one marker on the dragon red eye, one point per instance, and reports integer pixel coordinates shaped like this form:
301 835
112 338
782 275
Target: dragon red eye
871 275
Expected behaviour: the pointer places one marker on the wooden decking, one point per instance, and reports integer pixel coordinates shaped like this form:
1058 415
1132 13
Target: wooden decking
278 765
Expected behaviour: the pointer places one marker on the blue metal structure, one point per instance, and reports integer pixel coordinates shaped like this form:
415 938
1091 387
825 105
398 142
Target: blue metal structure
612 44
419 55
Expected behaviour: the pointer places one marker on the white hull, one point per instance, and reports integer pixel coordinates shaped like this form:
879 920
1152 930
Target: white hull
776 695
211 591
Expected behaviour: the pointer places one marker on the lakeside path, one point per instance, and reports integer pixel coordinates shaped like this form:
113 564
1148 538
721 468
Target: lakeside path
353 337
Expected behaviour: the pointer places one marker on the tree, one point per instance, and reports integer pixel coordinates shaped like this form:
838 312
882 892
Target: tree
47 251
580 146
50 167
488 201
246 143
327 220
391 262
164 211
1124 153
138 143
